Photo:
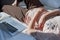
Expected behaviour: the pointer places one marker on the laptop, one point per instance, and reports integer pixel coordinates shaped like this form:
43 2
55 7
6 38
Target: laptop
12 26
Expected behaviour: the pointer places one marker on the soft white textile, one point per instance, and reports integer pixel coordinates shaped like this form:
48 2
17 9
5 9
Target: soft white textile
51 4
52 25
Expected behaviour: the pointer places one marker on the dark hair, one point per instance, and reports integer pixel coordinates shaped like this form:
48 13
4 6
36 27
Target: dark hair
5 2
32 3
19 0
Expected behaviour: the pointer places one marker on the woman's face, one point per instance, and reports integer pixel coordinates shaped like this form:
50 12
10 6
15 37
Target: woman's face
14 3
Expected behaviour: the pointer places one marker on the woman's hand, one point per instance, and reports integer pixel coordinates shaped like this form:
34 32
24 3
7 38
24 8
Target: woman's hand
46 16
42 20
36 17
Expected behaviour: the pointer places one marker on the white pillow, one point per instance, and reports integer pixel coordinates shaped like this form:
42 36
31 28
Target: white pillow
51 3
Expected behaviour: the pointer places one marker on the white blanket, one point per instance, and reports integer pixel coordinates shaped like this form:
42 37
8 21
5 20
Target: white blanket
52 25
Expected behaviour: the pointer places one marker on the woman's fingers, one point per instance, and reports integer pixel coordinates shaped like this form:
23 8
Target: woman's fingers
47 16
41 22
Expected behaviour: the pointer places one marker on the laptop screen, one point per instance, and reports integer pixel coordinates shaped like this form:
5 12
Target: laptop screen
12 25
9 27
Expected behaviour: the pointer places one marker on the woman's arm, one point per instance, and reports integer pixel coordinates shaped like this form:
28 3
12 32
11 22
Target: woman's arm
48 15
36 17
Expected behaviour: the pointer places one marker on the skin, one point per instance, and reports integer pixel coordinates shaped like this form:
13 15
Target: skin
48 15
15 3
42 19
36 17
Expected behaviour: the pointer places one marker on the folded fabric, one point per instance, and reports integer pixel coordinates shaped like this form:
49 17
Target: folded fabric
45 36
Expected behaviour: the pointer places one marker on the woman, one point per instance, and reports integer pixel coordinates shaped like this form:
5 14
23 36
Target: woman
51 12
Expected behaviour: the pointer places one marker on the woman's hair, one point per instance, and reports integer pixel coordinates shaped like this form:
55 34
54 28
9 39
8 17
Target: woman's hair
32 3
19 0
5 2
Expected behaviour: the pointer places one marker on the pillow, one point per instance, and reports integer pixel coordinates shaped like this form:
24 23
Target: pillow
53 4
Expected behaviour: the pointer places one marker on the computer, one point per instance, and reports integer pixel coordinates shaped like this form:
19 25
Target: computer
12 26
